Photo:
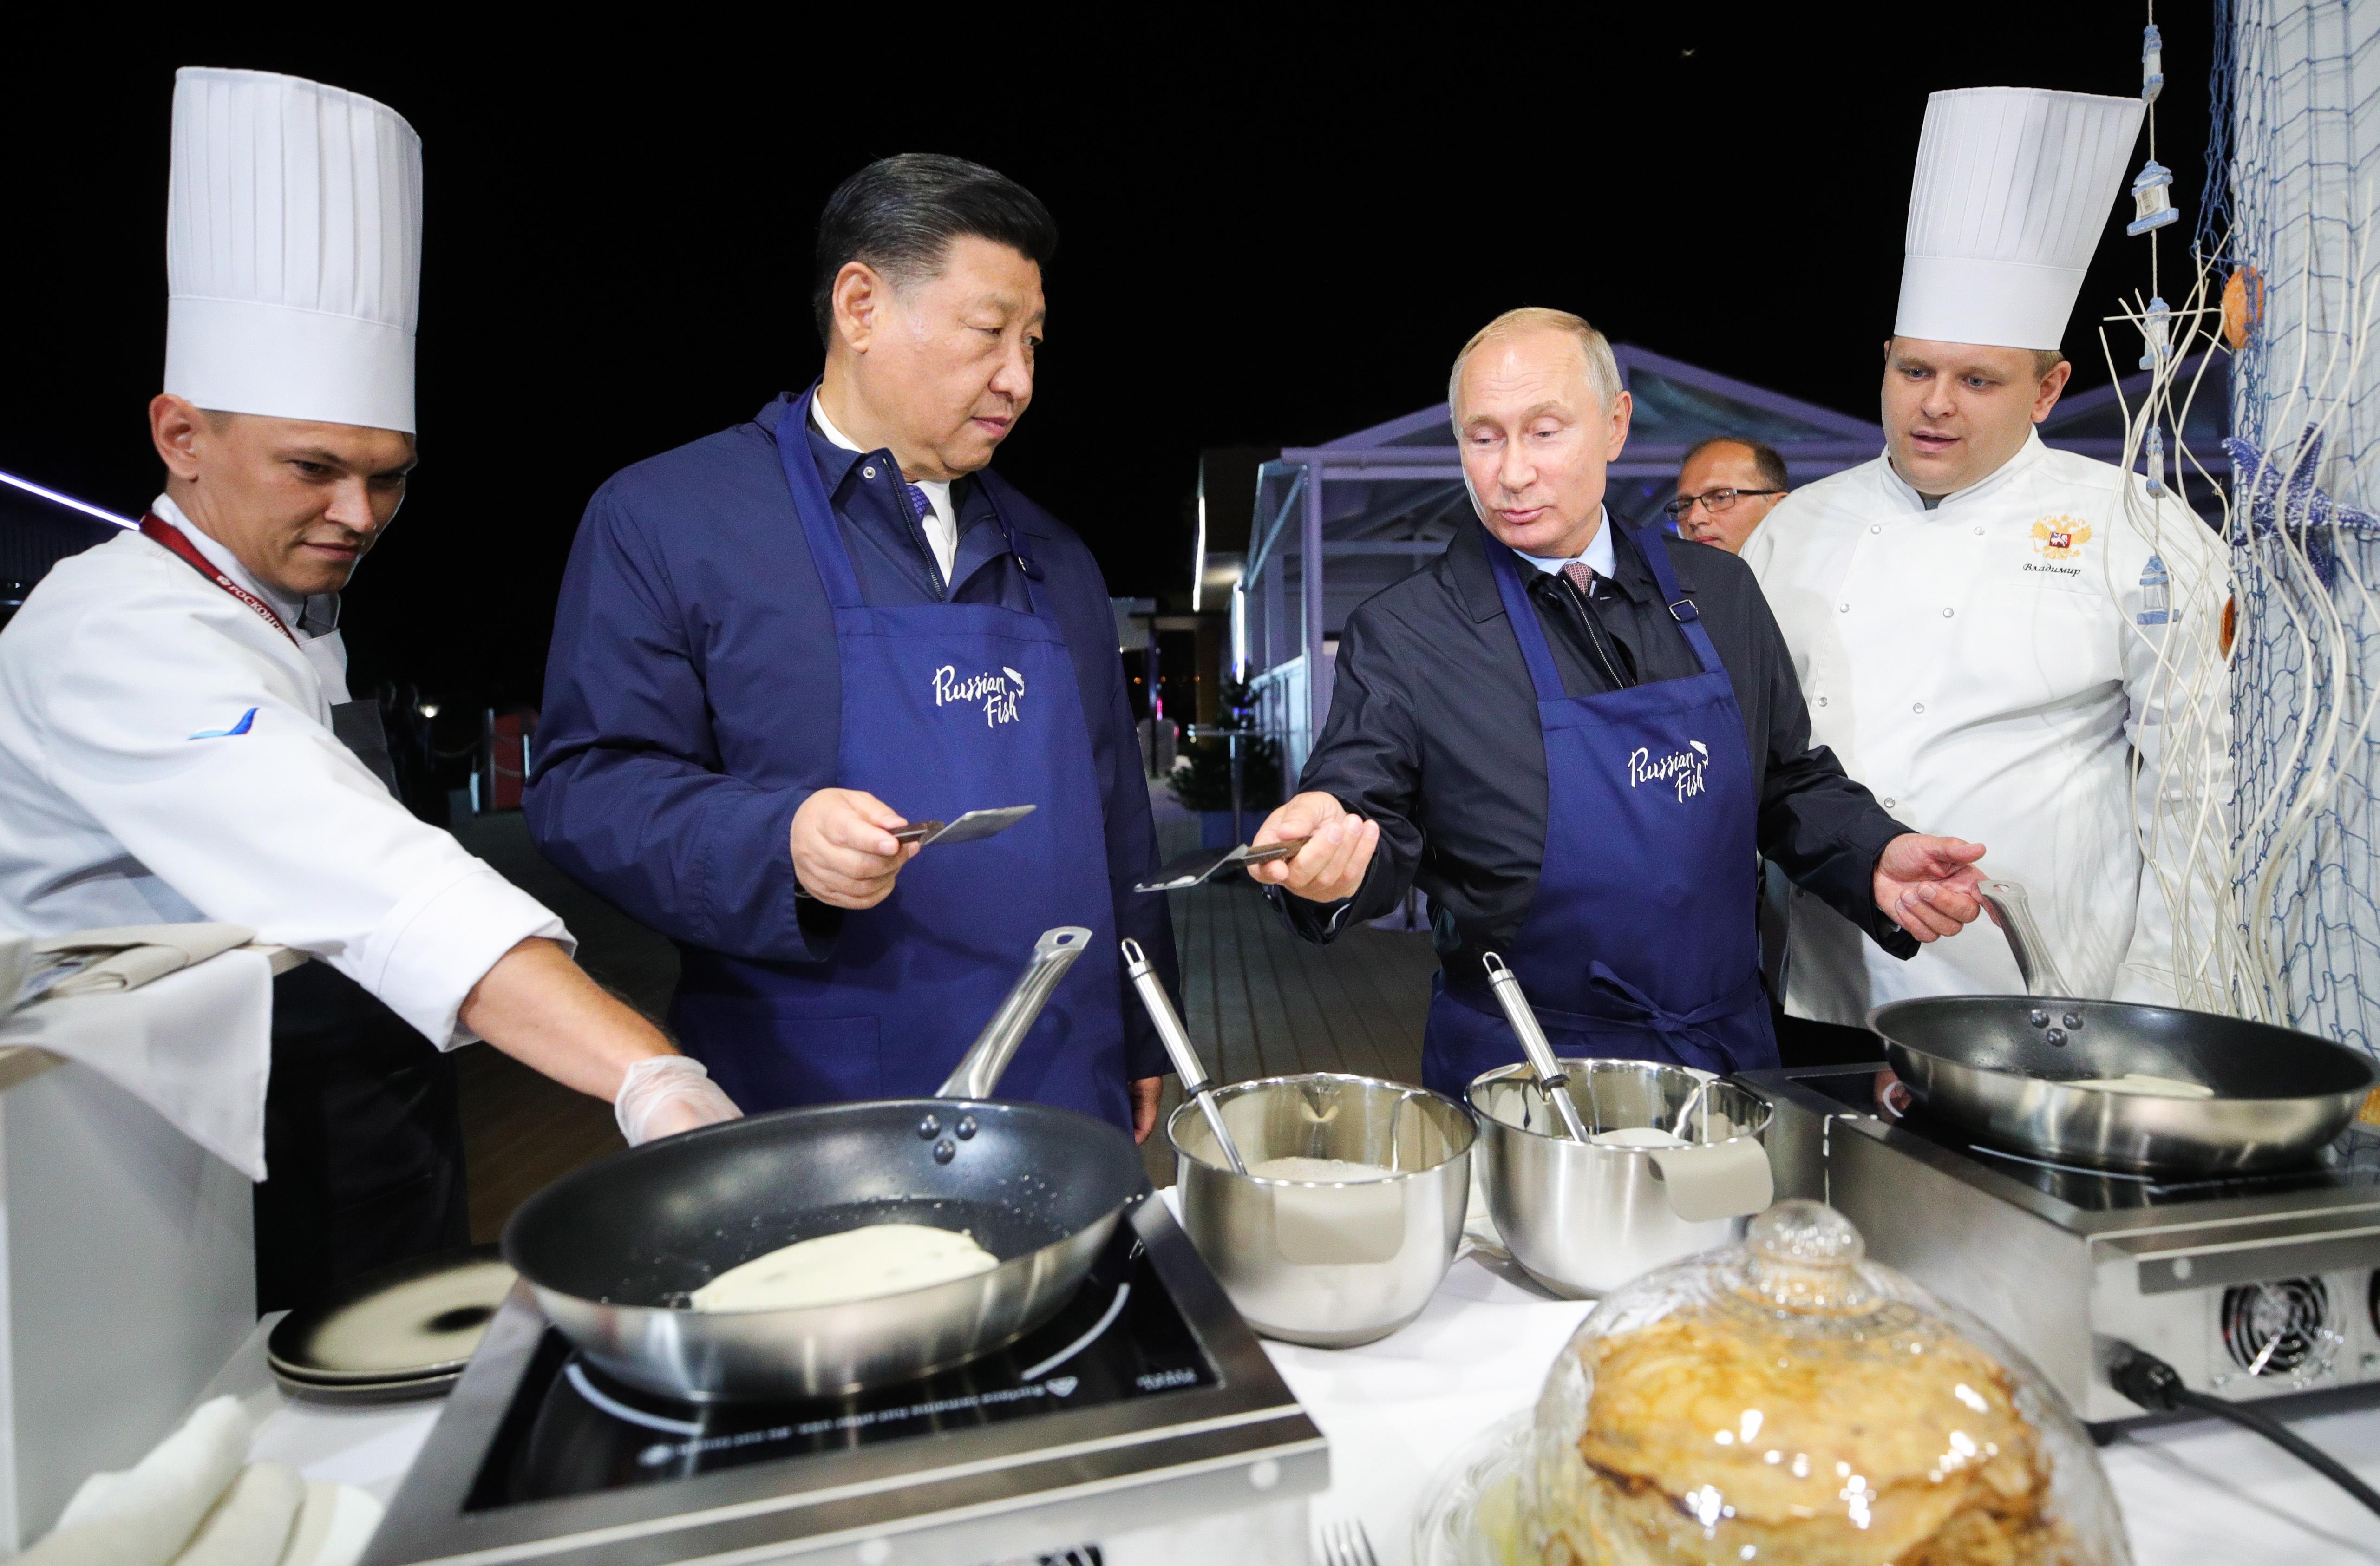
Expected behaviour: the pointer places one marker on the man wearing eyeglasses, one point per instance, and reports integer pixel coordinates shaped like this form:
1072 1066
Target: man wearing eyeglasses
1727 487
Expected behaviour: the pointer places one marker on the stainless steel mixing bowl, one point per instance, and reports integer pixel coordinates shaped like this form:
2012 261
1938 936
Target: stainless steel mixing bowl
1315 1262
1582 1219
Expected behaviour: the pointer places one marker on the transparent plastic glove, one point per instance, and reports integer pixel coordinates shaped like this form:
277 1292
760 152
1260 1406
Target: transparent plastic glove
667 1094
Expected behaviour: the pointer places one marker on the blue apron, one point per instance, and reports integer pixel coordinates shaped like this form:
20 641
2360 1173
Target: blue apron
1643 938
946 707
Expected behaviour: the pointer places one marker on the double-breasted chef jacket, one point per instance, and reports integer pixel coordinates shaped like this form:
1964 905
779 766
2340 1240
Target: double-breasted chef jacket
1989 666
1434 731
168 754
695 698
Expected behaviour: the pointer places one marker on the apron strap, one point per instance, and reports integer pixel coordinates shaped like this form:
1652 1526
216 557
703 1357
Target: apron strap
811 504
1523 616
1656 556
1531 635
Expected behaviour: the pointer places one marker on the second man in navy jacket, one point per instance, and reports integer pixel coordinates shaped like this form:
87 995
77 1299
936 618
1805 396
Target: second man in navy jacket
778 644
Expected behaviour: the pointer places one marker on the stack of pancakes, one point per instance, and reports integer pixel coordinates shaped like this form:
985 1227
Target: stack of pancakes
1726 1440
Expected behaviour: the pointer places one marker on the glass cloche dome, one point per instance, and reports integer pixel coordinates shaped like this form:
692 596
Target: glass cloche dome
1786 1402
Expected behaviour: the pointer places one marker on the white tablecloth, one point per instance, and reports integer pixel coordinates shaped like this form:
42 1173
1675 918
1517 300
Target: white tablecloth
1399 1410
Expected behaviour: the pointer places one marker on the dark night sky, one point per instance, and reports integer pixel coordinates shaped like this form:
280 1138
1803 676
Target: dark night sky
1271 236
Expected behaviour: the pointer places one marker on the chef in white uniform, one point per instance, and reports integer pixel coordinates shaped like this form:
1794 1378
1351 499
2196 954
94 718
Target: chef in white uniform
1993 636
177 741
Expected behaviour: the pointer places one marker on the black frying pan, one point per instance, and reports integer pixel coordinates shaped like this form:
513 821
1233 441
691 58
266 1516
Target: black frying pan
612 1250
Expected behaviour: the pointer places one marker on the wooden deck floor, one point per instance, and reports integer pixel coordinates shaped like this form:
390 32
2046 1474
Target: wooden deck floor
1257 1001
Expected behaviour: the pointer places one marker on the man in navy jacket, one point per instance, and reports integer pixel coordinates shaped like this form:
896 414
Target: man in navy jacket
779 644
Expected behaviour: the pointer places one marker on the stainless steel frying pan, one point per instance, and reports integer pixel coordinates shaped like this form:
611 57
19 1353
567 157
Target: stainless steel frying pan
612 1250
2001 1067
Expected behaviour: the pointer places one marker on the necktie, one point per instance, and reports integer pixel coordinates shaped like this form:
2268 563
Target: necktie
1580 575
918 499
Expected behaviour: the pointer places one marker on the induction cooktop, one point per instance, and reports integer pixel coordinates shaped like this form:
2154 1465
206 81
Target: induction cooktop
1143 1396
2252 1286
2348 1169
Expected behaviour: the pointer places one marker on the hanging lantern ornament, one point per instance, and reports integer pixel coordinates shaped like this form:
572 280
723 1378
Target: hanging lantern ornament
2152 63
2151 199
2157 328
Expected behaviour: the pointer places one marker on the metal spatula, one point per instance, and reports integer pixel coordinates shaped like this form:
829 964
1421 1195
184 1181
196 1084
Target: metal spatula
1200 865
967 829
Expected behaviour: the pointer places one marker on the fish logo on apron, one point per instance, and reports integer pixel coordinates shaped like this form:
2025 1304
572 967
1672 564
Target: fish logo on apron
998 694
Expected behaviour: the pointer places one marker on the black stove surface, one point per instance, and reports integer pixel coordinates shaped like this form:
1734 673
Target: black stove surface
2349 1166
572 1430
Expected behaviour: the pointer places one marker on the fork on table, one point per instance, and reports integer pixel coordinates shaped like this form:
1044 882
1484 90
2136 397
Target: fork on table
1344 1543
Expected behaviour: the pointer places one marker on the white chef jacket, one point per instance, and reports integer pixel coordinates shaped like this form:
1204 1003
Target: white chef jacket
2004 668
165 755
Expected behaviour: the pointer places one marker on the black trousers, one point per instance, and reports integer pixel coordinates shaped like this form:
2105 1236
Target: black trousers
363 1141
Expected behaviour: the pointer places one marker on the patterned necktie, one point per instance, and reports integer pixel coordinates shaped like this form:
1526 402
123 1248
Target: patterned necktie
1580 575
918 499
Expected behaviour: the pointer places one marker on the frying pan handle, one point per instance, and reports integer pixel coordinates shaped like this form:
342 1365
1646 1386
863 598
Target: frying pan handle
2012 911
989 1056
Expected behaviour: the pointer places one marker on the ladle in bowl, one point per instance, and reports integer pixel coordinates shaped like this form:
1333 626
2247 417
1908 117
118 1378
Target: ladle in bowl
1551 1080
1186 1064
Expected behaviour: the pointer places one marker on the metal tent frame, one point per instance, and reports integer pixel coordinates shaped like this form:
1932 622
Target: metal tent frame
1371 508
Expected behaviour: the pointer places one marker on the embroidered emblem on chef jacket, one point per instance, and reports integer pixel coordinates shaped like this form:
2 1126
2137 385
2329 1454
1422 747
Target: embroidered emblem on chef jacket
2157 594
2060 538
998 694
1680 769
246 719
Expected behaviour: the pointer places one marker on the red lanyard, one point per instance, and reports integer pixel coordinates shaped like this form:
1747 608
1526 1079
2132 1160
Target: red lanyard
157 529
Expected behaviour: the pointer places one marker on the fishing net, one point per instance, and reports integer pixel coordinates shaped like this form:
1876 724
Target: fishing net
2280 894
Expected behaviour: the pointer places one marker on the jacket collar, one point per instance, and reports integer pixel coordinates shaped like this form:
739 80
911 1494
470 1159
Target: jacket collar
1993 483
1474 579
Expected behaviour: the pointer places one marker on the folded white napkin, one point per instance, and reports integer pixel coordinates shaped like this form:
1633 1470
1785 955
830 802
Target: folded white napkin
146 1515
195 1500
251 1524
132 956
195 1046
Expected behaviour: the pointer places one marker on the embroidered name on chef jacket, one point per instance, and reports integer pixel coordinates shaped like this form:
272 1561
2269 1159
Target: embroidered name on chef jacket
998 694
1680 769
2057 540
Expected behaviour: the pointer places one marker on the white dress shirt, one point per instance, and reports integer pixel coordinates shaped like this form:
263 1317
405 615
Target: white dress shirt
1991 668
1598 556
165 756
941 521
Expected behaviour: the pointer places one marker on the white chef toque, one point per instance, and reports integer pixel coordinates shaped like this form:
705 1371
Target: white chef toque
2013 190
293 250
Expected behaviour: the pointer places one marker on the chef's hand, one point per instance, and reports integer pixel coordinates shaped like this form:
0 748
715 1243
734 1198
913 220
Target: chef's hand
1928 884
1145 1093
1332 863
843 851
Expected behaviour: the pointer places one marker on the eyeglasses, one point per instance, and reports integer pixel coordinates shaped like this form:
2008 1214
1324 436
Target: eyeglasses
1713 500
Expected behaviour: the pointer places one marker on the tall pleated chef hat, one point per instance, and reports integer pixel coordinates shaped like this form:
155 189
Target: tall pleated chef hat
293 250
2013 190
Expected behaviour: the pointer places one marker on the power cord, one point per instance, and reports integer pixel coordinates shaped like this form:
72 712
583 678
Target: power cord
2157 1387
